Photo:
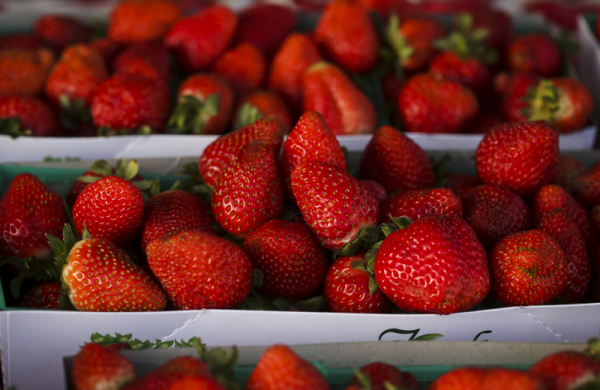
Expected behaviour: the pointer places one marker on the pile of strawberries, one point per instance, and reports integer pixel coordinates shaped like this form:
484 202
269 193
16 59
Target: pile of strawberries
158 69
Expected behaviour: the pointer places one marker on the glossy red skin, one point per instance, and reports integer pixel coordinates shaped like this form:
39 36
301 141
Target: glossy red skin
527 268
428 105
420 33
21 41
407 166
197 41
24 71
243 67
347 289
494 212
269 104
76 74
169 373
575 105
472 378
521 156
291 259
513 88
459 182
469 72
409 270
211 272
379 373
565 369
95 365
126 101
34 114
60 31
416 204
586 186
150 59
142 20
196 382
43 296
28 211
534 53
111 208
376 189
567 169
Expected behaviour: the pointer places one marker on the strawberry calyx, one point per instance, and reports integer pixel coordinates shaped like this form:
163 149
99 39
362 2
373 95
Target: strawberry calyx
220 363
247 115
386 228
397 42
121 342
191 115
365 382
73 112
194 182
105 131
543 101
11 127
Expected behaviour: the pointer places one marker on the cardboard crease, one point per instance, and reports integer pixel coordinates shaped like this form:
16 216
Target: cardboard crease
547 328
185 325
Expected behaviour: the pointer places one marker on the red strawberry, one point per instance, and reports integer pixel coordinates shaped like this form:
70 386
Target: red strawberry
416 204
219 154
494 212
470 72
330 92
96 367
24 71
169 373
311 139
435 265
335 205
28 211
262 104
472 378
107 48
527 268
111 208
191 382
428 105
243 67
21 41
43 296
210 272
352 45
149 59
567 169
249 192
198 40
407 166
35 117
142 20
521 156
381 374
586 186
60 31
535 53
174 211
350 287
497 24
566 370
291 259
460 182
513 89
280 368
376 189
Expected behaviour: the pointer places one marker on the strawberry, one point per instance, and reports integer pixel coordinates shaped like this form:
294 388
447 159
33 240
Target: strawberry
353 46
249 192
535 53
586 187
407 164
460 182
170 372
34 117
174 211
566 370
335 205
21 41
43 296
350 287
131 103
142 20
527 268
60 31
24 71
330 92
567 169
416 204
149 58
435 265
380 375
376 189
265 26
474 378
219 154
262 104
294 56
28 211
210 272
191 382
243 67
204 106
111 208
96 367
428 105
281 368
565 232
107 48
496 23
494 212
311 139
521 156
513 89
198 40
292 261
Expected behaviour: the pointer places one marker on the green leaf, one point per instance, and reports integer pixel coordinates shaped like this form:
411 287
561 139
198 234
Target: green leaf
312 304
101 167
131 169
247 115
373 287
401 222
282 303
257 277
11 127
358 265
428 337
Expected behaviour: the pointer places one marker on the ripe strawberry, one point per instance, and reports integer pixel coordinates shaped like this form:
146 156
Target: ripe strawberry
107 48
428 105
586 186
513 89
170 372
96 367
460 182
381 374
496 23
210 272
416 204
142 20
219 154
28 211
111 208
353 46
567 169
473 378
43 296
521 156
527 268
249 192
335 205
243 67
350 287
294 56
198 40
494 212
407 166
131 103
174 211
21 41
204 106
566 370
97 272
292 261
435 265
262 104
330 92
35 117
534 53
280 368
579 270
60 31
191 382
149 59
24 71
311 139
376 189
